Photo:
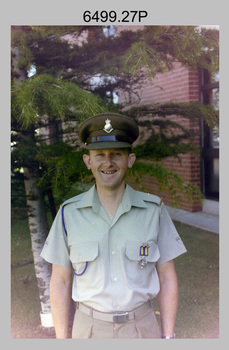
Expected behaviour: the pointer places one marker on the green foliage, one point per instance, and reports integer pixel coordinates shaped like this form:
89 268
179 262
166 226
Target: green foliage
158 150
61 168
167 137
153 48
191 111
141 56
46 95
38 39
195 47
57 164
122 56
168 180
58 92
18 198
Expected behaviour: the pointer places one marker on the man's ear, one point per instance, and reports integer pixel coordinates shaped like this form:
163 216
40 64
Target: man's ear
86 159
131 160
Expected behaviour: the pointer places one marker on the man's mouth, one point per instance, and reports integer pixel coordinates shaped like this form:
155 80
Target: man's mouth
108 172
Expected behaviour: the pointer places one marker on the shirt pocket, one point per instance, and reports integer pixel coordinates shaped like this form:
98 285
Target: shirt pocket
86 262
82 254
140 275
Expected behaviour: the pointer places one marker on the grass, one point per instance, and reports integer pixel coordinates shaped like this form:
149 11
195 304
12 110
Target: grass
198 276
200 290
25 304
197 270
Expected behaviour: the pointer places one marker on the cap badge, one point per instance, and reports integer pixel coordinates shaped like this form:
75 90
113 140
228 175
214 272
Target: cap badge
108 127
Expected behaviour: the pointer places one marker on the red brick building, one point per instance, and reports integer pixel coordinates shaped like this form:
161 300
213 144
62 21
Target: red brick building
182 84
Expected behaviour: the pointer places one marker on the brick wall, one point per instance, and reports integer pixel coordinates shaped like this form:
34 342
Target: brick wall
179 85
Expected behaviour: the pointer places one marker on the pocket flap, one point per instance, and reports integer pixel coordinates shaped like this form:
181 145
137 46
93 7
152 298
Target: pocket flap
133 251
83 252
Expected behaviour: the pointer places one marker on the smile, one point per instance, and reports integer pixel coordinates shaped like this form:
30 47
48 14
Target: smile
109 172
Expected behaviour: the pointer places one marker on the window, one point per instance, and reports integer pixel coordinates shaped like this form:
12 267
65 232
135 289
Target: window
210 138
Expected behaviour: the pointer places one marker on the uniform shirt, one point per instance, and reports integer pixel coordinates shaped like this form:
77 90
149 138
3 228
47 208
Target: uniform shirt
113 279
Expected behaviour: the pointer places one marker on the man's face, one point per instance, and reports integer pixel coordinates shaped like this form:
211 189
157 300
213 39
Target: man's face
109 166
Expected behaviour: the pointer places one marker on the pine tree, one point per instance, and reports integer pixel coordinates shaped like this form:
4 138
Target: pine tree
32 100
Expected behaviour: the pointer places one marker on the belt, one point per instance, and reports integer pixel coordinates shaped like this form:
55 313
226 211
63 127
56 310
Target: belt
117 317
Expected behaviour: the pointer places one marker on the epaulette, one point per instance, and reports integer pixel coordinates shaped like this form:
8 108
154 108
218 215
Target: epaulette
73 199
148 197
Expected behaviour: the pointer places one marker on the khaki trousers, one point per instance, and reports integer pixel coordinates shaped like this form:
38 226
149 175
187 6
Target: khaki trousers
142 326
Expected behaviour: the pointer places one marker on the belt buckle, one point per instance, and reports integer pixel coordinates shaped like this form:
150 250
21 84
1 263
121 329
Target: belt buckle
121 317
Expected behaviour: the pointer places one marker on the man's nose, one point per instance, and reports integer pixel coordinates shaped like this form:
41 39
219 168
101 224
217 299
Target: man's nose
108 160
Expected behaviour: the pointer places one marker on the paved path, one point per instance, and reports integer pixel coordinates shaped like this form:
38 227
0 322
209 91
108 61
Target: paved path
205 221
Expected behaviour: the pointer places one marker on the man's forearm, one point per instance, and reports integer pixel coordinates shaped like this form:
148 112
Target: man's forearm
168 302
60 296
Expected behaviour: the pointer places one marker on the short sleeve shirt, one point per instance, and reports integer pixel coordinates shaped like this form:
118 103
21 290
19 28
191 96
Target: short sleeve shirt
113 261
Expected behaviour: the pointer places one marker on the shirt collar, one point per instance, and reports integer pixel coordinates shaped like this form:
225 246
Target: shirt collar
133 198
130 198
89 199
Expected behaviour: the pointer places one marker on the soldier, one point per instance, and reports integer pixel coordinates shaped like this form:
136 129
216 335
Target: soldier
118 243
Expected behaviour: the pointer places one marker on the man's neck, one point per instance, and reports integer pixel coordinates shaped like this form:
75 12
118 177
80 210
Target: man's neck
110 199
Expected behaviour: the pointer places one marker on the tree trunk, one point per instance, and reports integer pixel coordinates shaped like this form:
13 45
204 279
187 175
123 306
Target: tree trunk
39 229
38 224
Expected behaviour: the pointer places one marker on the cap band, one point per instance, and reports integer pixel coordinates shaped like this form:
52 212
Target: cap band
108 138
